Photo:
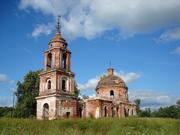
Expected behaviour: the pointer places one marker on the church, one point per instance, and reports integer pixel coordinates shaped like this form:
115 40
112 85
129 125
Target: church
57 97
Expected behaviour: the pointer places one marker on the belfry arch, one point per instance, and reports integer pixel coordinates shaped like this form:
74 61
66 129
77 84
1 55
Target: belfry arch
49 61
64 61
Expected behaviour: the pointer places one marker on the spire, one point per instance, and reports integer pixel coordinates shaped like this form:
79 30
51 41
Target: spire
58 26
110 69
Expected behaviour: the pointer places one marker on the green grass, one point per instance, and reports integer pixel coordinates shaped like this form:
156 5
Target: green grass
109 126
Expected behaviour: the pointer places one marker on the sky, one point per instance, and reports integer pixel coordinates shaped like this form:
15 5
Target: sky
141 38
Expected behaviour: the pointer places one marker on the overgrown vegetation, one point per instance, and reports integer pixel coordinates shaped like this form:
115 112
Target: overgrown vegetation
6 111
109 126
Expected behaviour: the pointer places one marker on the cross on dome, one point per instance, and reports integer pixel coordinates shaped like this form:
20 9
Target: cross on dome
58 26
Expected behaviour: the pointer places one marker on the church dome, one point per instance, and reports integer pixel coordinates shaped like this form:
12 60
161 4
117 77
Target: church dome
111 80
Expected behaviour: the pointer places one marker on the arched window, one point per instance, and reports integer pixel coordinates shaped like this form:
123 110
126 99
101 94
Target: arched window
64 85
49 84
111 94
64 61
49 60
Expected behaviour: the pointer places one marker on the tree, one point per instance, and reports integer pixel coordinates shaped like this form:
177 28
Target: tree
5 111
76 90
138 102
178 103
145 113
26 93
178 108
85 97
169 112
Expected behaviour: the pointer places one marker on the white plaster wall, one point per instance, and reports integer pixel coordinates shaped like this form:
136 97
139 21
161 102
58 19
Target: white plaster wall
97 113
51 101
64 110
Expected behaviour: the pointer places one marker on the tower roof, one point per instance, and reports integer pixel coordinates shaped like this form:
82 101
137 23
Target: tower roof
58 38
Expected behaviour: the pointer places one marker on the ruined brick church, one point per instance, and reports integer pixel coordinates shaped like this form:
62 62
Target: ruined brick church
57 98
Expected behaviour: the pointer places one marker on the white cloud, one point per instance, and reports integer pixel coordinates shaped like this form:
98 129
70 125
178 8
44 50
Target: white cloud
92 83
129 77
92 96
42 29
171 35
91 18
153 100
6 101
176 51
3 78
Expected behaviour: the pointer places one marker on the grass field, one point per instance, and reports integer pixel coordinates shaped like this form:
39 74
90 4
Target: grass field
109 126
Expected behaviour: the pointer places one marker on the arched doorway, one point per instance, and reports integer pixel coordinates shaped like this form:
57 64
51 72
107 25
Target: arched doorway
126 112
132 112
117 111
67 114
46 111
112 109
80 112
105 111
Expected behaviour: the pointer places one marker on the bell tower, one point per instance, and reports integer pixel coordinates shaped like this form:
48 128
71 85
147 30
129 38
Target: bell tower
56 90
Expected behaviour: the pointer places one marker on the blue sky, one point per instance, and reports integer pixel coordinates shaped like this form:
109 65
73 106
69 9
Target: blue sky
140 38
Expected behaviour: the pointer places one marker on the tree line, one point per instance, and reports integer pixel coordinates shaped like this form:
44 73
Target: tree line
172 111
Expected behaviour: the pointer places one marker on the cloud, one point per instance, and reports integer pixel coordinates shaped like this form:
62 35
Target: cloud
4 79
91 18
92 83
6 101
42 29
171 35
176 51
129 77
153 100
